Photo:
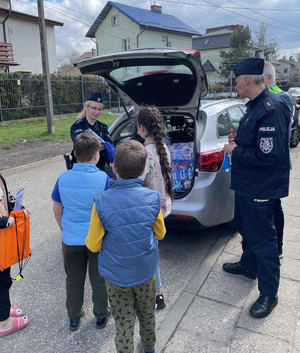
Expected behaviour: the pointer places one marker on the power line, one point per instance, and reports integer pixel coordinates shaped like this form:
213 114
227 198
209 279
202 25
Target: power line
227 8
231 7
53 8
55 5
55 11
271 18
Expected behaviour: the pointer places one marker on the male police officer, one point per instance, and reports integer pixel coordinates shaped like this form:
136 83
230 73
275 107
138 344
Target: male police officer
270 82
260 175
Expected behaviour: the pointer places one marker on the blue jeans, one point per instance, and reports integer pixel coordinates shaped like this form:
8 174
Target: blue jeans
157 279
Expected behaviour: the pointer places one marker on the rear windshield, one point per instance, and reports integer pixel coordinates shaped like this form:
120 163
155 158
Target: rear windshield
160 85
128 73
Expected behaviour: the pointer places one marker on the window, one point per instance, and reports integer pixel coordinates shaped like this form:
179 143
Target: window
244 108
115 21
165 41
125 44
206 41
285 70
223 124
235 115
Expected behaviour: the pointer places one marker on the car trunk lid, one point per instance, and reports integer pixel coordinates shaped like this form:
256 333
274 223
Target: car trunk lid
174 81
168 78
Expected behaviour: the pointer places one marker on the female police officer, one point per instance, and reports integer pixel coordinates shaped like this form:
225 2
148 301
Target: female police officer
260 176
88 120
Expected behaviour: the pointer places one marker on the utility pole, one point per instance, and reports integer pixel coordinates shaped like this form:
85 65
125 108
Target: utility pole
45 63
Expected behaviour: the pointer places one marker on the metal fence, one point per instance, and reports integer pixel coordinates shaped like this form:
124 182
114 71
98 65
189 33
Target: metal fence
23 97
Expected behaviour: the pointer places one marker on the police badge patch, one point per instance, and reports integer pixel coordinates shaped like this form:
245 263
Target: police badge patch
266 144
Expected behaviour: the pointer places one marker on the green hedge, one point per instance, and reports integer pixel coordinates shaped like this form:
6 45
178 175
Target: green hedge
22 96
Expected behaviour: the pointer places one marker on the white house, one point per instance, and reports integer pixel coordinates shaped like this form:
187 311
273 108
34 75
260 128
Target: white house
210 45
214 41
121 27
286 69
20 48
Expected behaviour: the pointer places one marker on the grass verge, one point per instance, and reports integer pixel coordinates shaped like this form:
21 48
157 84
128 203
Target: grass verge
38 131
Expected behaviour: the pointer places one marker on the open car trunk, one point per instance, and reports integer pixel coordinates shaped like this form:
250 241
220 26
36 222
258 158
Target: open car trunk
180 142
171 79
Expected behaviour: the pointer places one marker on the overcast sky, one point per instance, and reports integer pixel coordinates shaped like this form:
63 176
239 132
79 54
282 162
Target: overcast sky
282 18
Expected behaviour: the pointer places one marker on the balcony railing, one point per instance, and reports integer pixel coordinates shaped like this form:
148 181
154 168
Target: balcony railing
7 54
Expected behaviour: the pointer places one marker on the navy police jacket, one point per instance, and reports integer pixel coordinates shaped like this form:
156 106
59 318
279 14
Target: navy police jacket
260 162
100 129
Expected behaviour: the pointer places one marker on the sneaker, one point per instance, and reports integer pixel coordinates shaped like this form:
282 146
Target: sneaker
160 302
101 323
74 324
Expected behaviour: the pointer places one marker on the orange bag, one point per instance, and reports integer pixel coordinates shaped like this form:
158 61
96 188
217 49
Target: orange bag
14 242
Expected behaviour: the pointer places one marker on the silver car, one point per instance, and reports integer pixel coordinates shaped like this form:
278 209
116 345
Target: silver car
295 93
174 81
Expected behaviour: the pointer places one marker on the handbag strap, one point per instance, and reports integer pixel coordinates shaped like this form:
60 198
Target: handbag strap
21 262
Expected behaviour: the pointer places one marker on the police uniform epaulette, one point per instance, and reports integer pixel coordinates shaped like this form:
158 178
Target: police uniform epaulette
269 105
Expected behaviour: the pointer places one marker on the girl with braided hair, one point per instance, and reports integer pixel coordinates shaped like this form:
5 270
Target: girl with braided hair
157 175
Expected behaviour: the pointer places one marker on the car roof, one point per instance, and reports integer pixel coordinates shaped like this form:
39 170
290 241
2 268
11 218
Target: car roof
220 104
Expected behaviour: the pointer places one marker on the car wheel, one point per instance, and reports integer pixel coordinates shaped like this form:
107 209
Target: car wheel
295 137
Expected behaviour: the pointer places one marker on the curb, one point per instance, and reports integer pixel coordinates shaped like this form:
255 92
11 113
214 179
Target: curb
173 318
33 164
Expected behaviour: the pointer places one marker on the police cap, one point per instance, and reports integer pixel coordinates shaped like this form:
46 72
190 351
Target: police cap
250 66
96 97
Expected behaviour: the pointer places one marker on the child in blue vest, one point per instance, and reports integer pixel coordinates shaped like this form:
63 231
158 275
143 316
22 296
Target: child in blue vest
125 223
73 197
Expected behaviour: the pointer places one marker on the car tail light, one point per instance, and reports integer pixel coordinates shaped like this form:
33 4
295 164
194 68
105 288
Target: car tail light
211 161
183 216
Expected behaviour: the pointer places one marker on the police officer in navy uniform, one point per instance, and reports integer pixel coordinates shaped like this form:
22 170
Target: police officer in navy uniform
270 82
88 120
259 176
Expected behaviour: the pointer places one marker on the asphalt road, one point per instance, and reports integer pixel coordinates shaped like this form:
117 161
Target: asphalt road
42 291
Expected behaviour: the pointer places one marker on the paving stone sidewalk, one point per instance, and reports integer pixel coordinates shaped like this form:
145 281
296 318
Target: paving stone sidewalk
212 313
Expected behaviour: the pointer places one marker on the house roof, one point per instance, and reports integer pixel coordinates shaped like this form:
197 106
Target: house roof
208 66
84 56
212 41
28 17
290 62
144 18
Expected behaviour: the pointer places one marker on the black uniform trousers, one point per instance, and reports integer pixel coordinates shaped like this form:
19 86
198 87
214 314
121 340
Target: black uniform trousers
279 224
255 222
5 284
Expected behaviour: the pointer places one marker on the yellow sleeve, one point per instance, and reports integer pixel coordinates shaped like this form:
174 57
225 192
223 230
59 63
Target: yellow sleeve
159 228
96 233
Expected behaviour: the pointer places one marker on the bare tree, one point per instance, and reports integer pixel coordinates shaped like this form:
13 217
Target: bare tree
262 39
66 61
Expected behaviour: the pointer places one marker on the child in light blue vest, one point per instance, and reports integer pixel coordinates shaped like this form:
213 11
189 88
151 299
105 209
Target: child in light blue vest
73 196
